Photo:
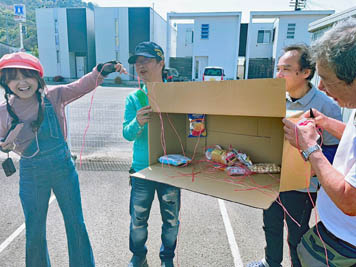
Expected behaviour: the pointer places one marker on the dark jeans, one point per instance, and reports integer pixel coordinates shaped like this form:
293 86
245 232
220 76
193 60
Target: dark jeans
299 206
142 195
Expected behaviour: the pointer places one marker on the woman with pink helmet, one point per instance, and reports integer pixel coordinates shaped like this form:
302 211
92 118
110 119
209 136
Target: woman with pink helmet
45 164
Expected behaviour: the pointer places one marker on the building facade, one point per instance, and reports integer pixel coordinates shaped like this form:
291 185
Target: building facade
269 32
211 40
66 41
119 29
72 41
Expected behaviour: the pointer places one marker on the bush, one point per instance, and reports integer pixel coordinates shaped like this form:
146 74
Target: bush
118 80
58 78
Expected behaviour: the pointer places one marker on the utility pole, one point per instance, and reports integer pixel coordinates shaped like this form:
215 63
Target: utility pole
297 4
21 36
20 16
7 29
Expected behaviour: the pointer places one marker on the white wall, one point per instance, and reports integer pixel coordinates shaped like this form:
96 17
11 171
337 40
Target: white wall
223 43
184 47
47 47
158 33
173 51
105 36
260 50
301 32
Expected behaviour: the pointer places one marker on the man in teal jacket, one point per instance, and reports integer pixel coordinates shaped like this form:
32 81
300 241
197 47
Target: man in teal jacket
149 63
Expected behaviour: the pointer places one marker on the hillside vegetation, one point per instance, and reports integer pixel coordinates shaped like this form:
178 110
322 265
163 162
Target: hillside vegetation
9 28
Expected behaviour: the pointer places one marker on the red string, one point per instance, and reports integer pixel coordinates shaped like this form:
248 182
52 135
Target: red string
316 212
214 167
89 112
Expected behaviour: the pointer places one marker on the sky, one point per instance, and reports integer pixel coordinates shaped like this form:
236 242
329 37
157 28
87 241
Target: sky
162 7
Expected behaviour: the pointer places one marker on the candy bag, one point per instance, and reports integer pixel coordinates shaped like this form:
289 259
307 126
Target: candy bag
238 170
197 125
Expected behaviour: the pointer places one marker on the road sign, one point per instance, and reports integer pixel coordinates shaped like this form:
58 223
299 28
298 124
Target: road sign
20 12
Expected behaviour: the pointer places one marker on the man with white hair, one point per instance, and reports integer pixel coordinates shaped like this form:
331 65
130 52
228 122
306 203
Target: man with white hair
332 242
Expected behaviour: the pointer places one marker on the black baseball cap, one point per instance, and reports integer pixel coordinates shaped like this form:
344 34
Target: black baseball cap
147 49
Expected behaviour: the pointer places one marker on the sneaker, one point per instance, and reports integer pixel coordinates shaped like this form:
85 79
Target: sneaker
167 263
137 261
261 263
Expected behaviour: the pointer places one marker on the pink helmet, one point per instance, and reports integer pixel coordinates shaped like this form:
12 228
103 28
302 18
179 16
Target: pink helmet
21 60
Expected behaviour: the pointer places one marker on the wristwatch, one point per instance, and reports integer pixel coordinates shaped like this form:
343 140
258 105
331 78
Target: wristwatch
306 153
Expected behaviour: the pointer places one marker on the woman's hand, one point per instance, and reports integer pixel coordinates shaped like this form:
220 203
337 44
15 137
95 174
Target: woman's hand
110 67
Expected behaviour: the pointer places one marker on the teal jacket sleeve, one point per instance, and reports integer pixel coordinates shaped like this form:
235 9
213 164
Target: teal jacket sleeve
131 128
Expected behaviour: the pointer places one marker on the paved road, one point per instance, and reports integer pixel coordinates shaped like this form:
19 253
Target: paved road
203 239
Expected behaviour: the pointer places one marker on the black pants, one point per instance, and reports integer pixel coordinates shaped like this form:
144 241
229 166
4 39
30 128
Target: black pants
299 206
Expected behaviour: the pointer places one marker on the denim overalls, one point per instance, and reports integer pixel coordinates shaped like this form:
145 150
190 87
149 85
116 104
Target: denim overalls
44 166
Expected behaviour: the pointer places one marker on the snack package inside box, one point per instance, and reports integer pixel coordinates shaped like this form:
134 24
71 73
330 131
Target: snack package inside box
174 159
235 162
197 125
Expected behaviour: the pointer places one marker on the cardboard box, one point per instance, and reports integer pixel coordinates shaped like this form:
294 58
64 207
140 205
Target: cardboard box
246 114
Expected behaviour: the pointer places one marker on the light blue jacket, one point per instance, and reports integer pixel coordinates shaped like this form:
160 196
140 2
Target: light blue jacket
133 131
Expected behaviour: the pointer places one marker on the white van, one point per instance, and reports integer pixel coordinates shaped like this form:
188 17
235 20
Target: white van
213 73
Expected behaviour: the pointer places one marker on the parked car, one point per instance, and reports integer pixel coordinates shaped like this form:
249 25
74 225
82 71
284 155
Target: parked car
172 75
213 73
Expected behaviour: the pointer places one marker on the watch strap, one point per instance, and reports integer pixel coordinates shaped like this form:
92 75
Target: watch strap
306 153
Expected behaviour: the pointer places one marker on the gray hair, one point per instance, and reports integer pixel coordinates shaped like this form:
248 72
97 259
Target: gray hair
337 48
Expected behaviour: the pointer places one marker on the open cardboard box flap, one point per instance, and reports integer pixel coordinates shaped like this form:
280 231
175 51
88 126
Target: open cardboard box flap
245 114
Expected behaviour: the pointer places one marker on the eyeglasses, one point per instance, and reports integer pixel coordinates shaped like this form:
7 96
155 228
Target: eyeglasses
144 61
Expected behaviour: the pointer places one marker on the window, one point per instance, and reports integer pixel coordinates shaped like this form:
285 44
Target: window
213 72
263 37
58 56
205 31
55 26
188 37
291 31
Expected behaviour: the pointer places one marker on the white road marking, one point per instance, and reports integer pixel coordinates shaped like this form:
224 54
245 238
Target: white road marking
18 231
230 235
